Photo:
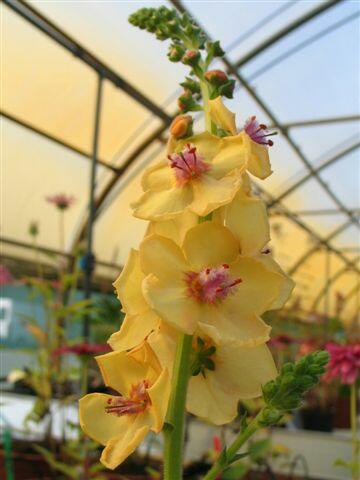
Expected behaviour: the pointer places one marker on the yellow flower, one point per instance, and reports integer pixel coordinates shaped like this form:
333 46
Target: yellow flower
139 319
247 219
206 284
201 176
120 423
254 137
222 373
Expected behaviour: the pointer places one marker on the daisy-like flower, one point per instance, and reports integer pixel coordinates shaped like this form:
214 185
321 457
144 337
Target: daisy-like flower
206 284
344 362
200 174
61 200
120 423
222 373
6 277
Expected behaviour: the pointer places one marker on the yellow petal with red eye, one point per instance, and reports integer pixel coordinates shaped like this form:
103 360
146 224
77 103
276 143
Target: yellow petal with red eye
161 257
210 193
119 448
246 217
171 303
158 205
134 330
258 162
222 116
158 177
209 245
128 285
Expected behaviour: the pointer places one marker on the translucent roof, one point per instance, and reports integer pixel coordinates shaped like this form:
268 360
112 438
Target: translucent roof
298 63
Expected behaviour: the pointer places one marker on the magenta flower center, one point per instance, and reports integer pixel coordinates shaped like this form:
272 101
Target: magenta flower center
211 284
137 401
187 165
258 132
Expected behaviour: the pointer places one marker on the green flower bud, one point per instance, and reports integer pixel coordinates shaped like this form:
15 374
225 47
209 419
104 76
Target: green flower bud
191 57
176 52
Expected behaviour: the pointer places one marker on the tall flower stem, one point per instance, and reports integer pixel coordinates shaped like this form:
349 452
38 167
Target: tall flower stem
231 451
355 442
174 429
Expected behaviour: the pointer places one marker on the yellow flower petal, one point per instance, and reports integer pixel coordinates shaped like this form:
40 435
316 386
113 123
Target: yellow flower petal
233 155
159 395
119 448
207 145
246 217
209 402
210 244
222 116
163 258
171 303
120 371
174 229
287 284
258 158
234 328
163 341
163 205
243 369
239 374
158 177
209 193
128 285
98 424
259 288
134 330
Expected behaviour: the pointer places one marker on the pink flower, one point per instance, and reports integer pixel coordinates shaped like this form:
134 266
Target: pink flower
6 277
187 165
258 131
61 200
344 362
82 349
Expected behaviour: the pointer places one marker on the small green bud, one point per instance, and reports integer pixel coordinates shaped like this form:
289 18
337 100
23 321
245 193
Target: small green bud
191 84
34 229
186 102
270 416
176 52
227 90
215 49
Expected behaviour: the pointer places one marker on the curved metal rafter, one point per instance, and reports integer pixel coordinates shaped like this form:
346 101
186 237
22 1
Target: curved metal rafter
333 279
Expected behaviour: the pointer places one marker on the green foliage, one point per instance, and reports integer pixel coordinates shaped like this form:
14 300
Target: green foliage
286 392
236 471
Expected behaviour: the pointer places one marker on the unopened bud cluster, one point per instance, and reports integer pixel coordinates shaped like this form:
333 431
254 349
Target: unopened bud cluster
285 393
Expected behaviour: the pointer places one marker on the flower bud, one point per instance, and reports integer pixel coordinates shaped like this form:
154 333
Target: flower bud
216 77
176 52
270 416
181 126
191 57
34 229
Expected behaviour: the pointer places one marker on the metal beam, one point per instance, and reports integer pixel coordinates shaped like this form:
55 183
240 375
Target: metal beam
319 121
320 212
317 170
291 27
333 279
54 139
52 251
314 249
33 16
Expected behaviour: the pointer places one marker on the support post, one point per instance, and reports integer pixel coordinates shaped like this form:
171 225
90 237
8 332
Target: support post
89 260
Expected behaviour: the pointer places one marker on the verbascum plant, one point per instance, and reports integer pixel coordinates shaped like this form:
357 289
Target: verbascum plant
193 293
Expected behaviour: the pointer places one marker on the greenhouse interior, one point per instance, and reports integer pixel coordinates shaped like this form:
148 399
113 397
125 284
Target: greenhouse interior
180 277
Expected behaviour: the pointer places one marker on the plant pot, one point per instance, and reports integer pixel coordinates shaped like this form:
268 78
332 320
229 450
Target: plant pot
317 419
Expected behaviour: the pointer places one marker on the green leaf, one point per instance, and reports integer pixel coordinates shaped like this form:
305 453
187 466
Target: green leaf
235 472
222 459
259 449
67 470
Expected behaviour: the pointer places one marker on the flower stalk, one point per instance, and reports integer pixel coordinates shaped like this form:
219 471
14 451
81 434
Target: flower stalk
174 428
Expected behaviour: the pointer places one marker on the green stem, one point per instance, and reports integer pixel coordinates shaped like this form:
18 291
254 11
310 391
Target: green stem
243 436
355 442
206 97
174 430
